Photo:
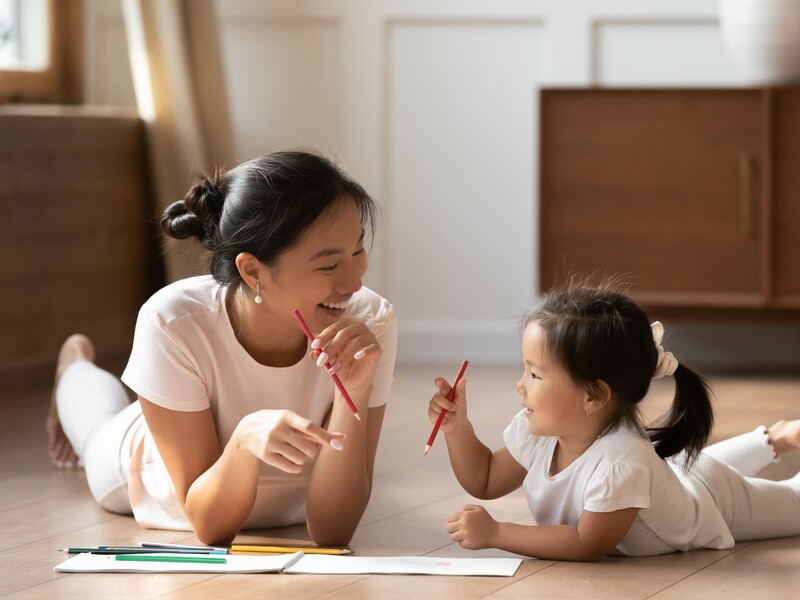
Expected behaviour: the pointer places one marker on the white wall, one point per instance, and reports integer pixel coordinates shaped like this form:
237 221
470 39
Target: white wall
432 105
108 78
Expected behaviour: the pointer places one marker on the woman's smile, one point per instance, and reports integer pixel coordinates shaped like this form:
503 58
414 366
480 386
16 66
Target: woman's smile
335 309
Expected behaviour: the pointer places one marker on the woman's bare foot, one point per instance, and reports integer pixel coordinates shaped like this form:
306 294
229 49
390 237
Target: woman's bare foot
784 436
76 347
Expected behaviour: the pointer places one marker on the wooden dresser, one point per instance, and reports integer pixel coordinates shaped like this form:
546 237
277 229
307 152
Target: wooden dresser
77 234
694 194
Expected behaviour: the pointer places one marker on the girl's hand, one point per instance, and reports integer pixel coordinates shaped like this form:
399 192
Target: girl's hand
352 351
283 439
473 528
456 410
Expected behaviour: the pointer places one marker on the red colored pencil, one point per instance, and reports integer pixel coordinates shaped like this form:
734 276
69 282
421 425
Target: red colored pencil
334 376
450 396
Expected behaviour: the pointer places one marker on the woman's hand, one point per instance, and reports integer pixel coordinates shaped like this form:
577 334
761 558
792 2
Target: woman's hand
283 439
473 528
352 351
456 415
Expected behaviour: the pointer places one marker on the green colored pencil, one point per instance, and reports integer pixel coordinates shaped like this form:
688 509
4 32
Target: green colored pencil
177 558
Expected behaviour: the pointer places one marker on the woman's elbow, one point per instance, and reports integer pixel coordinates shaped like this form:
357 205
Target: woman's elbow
213 536
215 540
339 536
332 528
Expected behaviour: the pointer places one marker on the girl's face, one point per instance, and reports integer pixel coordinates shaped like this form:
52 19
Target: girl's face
554 405
321 272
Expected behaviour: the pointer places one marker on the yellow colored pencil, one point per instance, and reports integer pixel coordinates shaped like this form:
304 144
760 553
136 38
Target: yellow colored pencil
289 549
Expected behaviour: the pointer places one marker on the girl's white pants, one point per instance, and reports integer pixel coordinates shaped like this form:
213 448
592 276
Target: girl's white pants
753 507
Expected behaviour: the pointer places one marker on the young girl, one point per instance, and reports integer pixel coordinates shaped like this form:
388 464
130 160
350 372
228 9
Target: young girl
598 481
234 426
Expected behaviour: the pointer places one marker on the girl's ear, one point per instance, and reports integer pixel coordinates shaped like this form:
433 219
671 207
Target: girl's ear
249 268
598 396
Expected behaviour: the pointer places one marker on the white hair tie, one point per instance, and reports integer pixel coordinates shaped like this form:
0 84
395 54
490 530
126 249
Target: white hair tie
667 363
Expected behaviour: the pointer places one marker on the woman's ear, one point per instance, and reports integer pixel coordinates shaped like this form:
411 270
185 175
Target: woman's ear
598 396
249 268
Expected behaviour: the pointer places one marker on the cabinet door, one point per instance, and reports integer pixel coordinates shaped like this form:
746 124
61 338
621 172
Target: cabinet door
786 215
663 186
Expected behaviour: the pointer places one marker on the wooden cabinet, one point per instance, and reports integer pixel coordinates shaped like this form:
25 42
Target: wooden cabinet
694 194
78 234
786 199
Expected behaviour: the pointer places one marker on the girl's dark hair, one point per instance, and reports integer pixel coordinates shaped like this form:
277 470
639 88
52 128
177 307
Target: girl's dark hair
597 333
262 206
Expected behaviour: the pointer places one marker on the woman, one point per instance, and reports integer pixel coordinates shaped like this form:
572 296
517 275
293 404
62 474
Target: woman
235 427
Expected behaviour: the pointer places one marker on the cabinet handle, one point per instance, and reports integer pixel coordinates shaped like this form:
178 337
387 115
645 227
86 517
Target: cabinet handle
745 195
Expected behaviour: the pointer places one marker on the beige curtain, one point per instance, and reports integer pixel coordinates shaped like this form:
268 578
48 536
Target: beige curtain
176 63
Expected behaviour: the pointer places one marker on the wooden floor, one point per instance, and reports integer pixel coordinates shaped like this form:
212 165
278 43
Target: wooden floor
43 509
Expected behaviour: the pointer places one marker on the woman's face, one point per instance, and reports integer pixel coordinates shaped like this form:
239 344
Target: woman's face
554 405
322 271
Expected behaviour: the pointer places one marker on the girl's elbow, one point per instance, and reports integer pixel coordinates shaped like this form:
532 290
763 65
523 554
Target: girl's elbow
478 491
593 553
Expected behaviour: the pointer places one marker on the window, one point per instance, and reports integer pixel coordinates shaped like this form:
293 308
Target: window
41 51
23 35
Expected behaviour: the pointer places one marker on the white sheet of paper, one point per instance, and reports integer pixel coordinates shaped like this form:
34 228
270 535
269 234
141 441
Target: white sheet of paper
302 563
405 565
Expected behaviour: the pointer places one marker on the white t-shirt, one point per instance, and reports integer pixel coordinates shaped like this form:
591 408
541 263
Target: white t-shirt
185 357
620 470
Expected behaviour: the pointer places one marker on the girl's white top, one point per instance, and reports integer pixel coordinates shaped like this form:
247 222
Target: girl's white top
620 470
185 357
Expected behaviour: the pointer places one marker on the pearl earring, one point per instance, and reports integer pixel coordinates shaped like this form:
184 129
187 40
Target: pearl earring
258 298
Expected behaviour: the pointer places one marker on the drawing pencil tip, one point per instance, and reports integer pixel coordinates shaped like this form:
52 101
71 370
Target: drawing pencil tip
357 416
427 447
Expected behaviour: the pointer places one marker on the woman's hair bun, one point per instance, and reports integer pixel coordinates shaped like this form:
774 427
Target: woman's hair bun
198 214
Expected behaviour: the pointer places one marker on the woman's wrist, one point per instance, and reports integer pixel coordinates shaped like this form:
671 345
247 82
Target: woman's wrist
359 396
238 443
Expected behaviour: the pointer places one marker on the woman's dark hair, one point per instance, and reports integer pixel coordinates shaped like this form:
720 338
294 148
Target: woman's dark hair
262 206
597 333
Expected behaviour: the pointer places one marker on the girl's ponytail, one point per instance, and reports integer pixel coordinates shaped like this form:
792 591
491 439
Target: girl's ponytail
688 422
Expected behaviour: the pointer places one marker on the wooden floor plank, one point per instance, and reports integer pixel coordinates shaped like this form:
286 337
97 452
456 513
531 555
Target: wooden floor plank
763 569
43 509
